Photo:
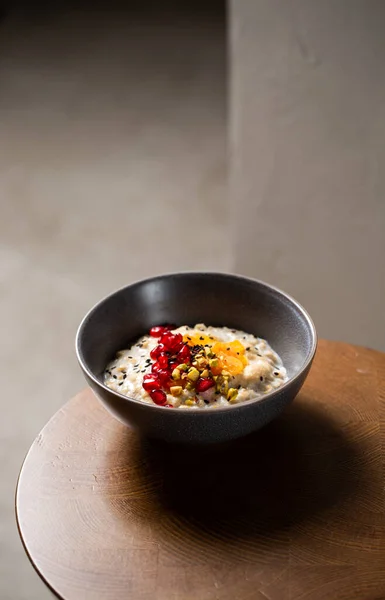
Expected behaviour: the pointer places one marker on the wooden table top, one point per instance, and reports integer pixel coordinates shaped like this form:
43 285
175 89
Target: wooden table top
295 511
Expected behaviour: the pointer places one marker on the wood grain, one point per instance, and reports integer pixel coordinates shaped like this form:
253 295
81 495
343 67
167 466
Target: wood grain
295 511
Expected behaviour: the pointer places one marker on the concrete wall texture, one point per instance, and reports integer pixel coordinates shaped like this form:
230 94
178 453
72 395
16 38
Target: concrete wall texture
111 129
308 156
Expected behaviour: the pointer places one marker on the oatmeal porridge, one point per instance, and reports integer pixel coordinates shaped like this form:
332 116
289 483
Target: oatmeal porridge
196 367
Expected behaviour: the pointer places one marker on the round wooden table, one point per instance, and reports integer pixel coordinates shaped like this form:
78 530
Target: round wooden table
295 511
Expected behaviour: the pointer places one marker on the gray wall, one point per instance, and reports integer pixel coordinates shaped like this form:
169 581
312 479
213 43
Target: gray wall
308 149
111 127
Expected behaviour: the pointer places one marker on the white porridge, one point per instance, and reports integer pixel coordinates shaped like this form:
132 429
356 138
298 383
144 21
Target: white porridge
196 367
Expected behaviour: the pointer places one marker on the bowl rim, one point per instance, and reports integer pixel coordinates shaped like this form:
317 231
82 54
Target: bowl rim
197 411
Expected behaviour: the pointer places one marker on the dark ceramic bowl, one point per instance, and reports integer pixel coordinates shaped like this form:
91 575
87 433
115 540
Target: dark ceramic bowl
186 299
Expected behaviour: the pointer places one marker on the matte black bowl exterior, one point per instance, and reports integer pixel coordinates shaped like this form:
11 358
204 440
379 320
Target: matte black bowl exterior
187 299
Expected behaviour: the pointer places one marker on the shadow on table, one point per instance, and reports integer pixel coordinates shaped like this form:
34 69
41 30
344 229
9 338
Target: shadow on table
296 468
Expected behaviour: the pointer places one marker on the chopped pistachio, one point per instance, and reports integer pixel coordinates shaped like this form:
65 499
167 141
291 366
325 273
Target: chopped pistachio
214 363
193 374
175 374
222 385
189 386
190 402
205 373
225 373
176 390
202 362
232 394
183 367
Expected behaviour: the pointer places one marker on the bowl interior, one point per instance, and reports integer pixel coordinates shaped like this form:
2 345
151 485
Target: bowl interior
189 298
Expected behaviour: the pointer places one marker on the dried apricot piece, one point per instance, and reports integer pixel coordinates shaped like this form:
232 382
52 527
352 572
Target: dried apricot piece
232 364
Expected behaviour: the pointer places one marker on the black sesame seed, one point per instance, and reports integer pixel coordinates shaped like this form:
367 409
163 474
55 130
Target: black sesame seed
121 383
228 348
261 378
124 376
189 338
259 354
206 401
201 337
114 376
248 348
129 357
211 337
144 370
217 393
137 365
238 353
276 372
